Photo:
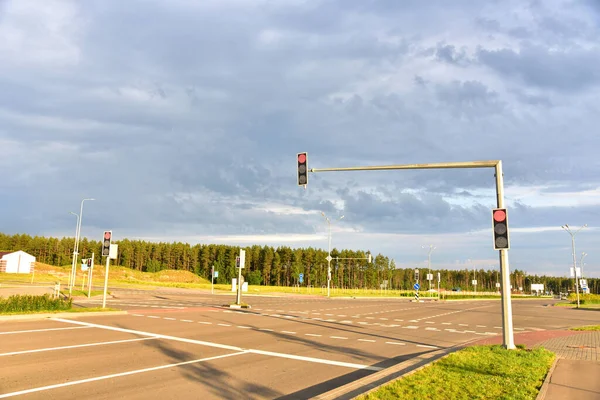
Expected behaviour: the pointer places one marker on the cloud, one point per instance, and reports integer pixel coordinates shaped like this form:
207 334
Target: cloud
183 120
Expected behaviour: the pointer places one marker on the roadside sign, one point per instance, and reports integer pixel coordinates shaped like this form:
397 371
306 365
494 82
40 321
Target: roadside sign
416 286
329 258
301 278
474 281
84 267
216 274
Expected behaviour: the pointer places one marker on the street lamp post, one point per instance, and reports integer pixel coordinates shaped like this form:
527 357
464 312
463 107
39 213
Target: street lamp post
329 251
73 266
581 263
431 248
76 252
566 228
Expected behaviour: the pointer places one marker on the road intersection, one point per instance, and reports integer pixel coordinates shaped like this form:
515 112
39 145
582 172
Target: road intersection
184 344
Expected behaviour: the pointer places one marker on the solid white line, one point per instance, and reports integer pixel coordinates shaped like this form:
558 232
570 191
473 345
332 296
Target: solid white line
44 330
401 344
316 360
222 346
73 346
98 378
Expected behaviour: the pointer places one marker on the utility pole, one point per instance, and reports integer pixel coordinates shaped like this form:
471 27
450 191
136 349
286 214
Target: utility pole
566 228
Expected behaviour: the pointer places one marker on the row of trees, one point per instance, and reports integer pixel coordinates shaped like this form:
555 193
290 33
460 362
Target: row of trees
279 266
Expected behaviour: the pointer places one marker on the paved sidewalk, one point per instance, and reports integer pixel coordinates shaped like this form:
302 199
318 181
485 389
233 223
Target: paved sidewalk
576 373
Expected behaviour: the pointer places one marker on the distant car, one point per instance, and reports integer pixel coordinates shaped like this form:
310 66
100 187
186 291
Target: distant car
456 289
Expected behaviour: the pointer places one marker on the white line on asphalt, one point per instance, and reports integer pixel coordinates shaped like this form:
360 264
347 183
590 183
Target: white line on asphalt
312 334
138 315
427 347
291 333
448 323
338 337
316 360
429 322
186 320
463 325
244 327
99 378
169 318
205 323
13 353
223 324
481 326
398 343
44 330
266 330
366 340
152 316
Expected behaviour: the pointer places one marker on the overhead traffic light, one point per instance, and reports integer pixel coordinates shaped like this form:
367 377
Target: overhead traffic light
500 223
106 243
302 169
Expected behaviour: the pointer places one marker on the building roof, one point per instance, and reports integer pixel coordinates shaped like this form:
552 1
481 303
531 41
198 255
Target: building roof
4 253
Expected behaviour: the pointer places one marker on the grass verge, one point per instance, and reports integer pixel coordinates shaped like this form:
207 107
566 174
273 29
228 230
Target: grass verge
587 328
478 372
29 303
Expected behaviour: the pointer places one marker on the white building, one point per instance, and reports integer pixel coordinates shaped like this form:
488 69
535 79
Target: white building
18 262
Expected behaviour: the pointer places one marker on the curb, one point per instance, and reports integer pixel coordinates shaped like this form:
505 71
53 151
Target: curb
374 381
542 393
32 317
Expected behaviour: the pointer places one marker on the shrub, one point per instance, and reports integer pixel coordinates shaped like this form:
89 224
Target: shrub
29 303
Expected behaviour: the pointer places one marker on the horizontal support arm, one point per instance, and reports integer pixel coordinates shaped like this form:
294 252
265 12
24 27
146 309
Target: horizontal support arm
461 164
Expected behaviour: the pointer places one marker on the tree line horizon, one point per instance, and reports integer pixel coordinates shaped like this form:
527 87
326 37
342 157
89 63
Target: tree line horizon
280 266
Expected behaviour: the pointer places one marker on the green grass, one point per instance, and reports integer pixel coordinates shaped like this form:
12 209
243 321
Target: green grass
584 298
478 372
29 303
587 328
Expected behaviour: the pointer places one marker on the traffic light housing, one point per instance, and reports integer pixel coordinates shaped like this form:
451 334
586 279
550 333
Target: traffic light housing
500 224
302 169
89 262
106 239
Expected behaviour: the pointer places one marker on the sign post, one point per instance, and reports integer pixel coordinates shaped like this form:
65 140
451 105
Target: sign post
112 254
416 287
301 278
241 260
91 269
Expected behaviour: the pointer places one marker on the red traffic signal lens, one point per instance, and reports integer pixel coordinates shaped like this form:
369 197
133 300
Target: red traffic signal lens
302 158
107 235
499 215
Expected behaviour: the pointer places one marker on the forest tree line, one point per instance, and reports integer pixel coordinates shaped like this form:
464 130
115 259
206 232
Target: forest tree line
279 266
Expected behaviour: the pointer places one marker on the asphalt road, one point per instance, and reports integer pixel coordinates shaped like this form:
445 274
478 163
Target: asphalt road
178 344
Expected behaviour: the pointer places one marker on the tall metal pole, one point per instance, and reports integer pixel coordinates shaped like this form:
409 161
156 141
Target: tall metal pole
507 322
507 326
77 239
105 282
566 228
329 252
74 249
431 248
583 255
91 274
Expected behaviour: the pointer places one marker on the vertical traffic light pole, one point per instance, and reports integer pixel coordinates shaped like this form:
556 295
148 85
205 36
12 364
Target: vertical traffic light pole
507 327
106 240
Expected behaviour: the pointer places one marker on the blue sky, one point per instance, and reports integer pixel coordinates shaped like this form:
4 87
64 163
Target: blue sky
183 119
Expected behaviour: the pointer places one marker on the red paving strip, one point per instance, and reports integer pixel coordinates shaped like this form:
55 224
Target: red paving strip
529 339
170 310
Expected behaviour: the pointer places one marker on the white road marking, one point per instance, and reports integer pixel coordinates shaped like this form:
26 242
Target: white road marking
291 333
223 324
138 315
186 320
338 337
396 343
169 318
463 325
366 340
429 322
411 327
74 346
427 347
152 316
431 329
316 360
244 327
481 326
99 378
44 330
312 334
447 323
266 330
205 323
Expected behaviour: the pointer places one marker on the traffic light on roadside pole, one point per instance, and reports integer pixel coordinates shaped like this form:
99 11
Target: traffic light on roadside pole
302 169
500 224
106 239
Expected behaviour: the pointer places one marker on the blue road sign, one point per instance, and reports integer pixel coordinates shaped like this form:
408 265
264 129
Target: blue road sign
301 278
416 286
